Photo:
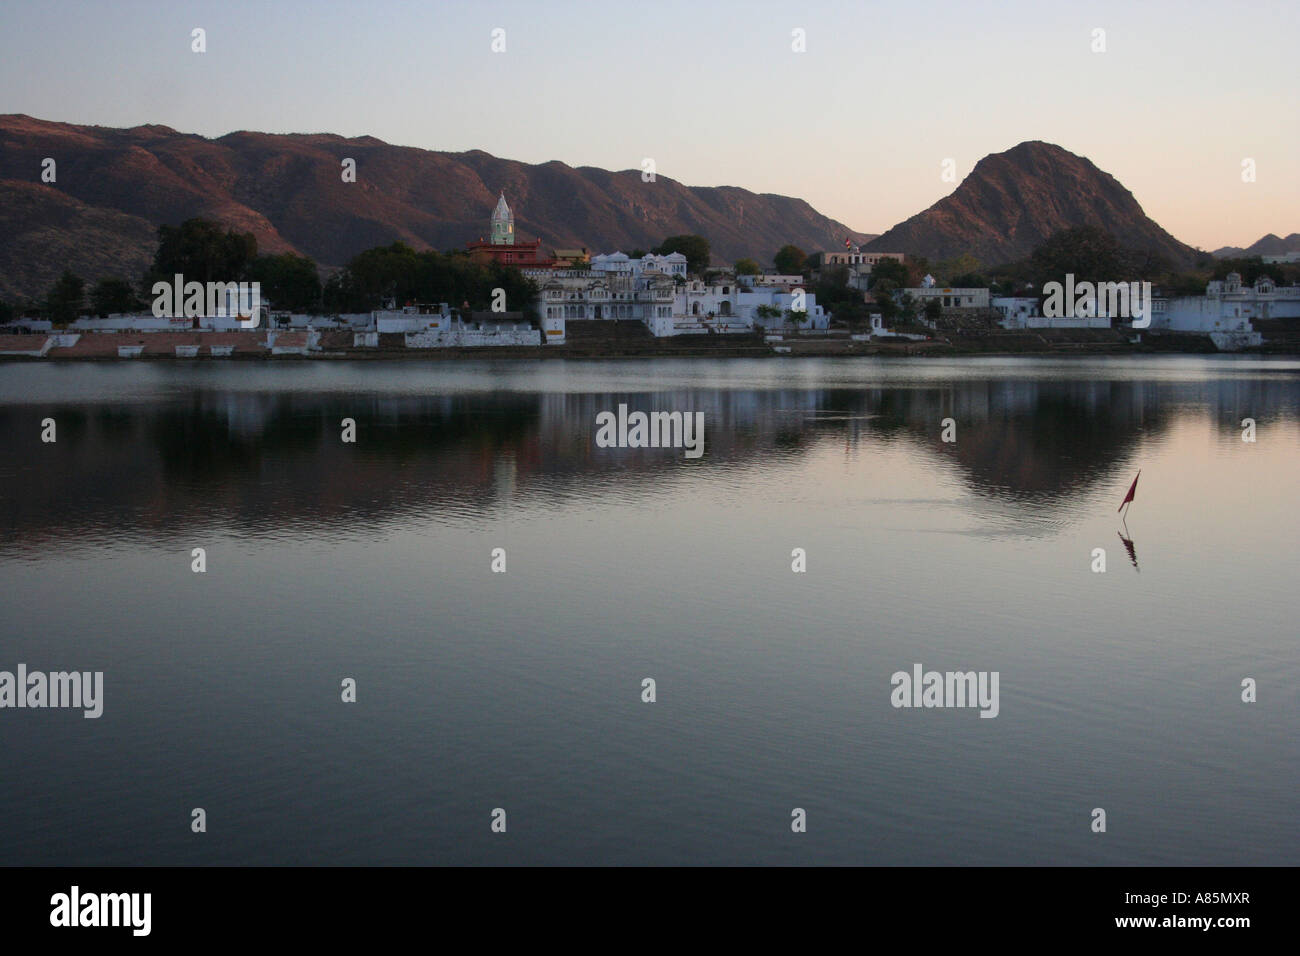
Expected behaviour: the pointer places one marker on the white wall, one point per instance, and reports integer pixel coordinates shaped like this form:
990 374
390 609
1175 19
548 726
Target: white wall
462 336
552 331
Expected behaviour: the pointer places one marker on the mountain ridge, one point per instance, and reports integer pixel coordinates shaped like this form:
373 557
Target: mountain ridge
287 190
1269 245
115 186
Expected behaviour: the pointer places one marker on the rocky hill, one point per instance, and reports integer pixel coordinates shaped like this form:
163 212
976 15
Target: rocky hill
1012 201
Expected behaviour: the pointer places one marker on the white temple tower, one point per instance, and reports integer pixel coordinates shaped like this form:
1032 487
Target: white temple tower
503 224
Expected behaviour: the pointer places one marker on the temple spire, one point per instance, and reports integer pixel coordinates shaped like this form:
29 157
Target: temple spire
503 224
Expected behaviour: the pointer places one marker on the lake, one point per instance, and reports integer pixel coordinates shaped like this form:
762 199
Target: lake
372 560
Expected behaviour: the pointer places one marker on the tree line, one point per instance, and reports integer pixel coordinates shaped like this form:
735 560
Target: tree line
204 251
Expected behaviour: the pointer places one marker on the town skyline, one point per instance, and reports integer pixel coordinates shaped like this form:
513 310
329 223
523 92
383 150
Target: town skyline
740 106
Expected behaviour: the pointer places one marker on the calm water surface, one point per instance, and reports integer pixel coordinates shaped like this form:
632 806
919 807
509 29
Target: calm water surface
523 690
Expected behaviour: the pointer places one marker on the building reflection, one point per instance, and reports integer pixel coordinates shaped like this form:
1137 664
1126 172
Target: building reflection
265 462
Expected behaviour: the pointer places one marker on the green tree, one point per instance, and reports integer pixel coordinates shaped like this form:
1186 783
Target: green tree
907 307
790 260
67 298
883 292
201 251
1249 269
694 248
114 295
933 309
290 282
400 273
7 312
1089 253
747 267
1183 283
840 299
889 271
946 270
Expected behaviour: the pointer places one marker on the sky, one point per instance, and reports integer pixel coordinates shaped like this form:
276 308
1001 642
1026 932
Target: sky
858 123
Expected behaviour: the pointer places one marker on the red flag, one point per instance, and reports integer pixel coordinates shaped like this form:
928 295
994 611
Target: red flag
847 244
1132 491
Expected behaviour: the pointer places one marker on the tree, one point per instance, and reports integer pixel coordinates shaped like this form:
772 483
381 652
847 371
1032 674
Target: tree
400 273
1180 283
1089 253
790 260
839 298
907 307
1249 269
67 298
113 295
889 271
747 267
933 309
947 270
289 281
7 312
694 248
201 251
797 316
883 292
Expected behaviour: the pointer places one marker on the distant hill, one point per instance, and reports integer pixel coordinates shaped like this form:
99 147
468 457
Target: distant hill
1270 245
115 186
1012 201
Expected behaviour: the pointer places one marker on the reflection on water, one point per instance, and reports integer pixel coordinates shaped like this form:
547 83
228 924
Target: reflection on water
266 461
479 690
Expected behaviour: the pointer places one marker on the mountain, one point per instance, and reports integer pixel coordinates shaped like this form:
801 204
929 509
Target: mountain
114 187
1270 245
1014 200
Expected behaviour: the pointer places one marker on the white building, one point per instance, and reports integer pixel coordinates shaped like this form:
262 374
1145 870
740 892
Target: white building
788 283
413 318
1227 306
577 294
671 308
858 259
428 327
1016 311
949 298
673 264
1226 310
733 307
1022 312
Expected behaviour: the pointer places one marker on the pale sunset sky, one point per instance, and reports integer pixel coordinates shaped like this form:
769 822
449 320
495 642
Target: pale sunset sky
858 124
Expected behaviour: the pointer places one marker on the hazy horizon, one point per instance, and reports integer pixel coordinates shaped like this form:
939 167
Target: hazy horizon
858 125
